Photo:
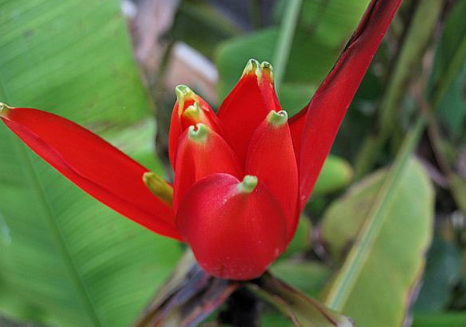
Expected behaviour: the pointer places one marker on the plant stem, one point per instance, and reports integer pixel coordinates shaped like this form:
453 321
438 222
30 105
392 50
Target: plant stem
285 39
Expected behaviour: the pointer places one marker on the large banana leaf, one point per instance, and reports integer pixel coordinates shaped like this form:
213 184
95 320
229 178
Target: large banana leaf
65 259
389 218
69 56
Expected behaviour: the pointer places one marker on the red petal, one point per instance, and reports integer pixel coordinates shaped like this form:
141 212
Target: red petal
247 105
272 159
296 124
318 126
190 109
236 230
201 153
94 165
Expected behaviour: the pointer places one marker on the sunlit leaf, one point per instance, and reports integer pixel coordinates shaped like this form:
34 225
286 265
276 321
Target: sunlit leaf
66 260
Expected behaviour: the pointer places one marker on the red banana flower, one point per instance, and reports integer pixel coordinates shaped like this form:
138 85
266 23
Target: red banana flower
242 176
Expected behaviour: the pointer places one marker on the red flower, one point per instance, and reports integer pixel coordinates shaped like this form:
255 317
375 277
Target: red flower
242 176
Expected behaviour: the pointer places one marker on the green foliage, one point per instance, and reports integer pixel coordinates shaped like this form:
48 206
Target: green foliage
318 41
441 320
308 277
441 273
389 217
449 75
335 175
70 57
65 259
301 240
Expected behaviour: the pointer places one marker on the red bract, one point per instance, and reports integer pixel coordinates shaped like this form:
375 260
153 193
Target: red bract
241 177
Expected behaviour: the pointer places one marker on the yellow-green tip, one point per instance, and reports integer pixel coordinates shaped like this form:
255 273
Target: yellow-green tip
182 92
267 69
248 184
253 66
193 112
277 119
198 133
4 108
159 187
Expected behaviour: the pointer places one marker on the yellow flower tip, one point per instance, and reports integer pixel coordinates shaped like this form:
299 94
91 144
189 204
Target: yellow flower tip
4 109
198 133
248 184
277 119
159 187
193 112
253 67
182 92
267 69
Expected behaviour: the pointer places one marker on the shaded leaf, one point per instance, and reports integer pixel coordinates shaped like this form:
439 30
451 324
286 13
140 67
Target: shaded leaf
449 319
442 271
308 277
301 239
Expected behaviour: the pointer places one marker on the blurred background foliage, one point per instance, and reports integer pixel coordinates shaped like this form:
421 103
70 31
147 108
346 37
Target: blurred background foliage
383 238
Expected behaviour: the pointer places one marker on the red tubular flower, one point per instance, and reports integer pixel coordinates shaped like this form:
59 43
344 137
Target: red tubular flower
241 177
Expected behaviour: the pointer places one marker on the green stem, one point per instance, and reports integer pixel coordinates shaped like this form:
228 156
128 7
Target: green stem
285 39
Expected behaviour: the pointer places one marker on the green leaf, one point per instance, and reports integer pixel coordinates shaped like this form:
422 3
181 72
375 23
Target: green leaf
443 270
440 320
450 55
69 57
344 218
212 26
65 259
274 320
308 277
335 175
330 19
301 240
393 214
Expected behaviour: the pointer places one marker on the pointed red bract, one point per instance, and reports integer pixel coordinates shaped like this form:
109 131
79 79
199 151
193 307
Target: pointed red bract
246 107
190 109
314 131
202 152
233 234
94 165
271 158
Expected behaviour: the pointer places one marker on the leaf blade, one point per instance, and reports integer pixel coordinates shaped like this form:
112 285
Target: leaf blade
379 249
